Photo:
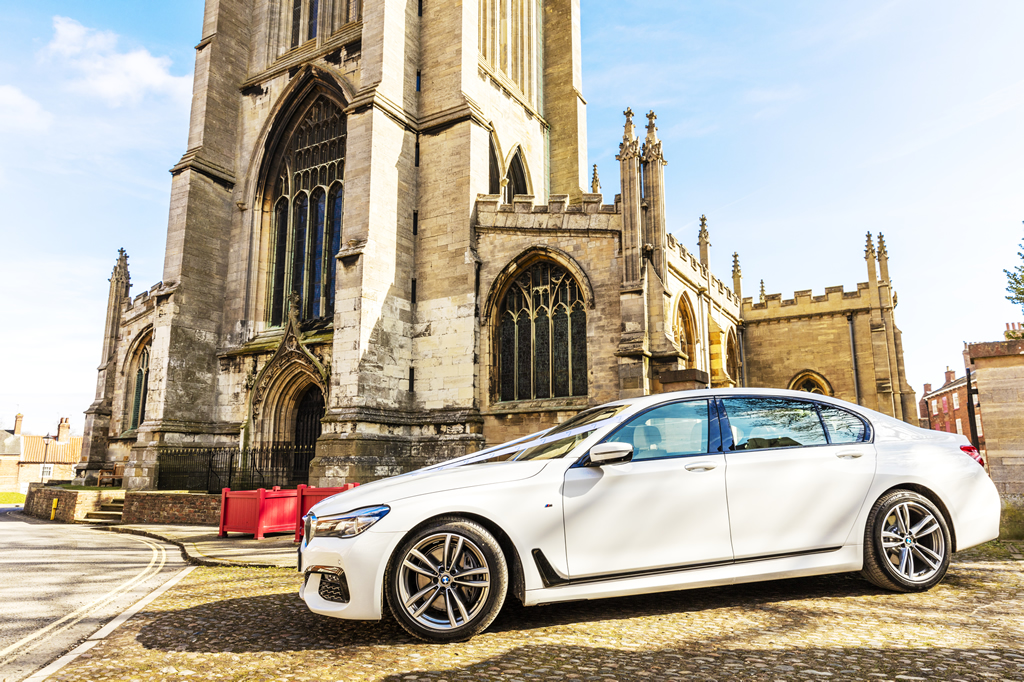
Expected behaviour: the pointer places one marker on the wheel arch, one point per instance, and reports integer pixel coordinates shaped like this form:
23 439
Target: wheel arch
934 498
517 579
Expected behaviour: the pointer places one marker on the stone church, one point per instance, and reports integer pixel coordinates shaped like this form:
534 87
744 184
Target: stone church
385 245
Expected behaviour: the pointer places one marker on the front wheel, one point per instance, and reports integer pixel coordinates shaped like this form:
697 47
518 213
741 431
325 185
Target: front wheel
907 545
447 581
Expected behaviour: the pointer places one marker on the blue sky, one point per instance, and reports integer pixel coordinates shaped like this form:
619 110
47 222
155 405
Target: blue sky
795 127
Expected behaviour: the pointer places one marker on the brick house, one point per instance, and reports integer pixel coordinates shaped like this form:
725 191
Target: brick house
945 409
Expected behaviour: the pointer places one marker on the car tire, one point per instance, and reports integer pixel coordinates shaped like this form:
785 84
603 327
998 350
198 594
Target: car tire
447 581
907 545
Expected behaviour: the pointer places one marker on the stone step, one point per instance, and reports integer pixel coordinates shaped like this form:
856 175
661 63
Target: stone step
108 516
115 506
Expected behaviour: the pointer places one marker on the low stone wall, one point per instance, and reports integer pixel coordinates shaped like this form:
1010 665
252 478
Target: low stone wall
72 505
177 508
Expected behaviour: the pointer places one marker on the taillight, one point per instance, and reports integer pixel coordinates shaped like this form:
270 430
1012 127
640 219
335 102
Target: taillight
973 452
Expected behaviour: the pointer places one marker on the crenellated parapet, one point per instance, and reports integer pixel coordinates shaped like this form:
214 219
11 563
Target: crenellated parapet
835 301
558 214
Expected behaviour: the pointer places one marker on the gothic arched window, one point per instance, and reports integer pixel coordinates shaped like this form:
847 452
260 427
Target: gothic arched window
307 200
139 390
542 336
684 333
811 382
732 357
517 183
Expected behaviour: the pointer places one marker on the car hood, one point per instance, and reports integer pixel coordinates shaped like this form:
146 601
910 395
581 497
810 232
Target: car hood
388 490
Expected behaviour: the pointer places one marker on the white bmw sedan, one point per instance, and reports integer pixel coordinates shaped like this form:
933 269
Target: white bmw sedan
664 492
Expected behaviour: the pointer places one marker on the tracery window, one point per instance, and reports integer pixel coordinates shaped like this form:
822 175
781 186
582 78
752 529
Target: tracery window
307 217
542 336
810 382
139 390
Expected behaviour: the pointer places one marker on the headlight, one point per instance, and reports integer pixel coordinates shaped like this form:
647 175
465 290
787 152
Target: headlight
347 525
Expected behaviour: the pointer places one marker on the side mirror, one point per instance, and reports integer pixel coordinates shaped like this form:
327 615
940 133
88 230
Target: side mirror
611 453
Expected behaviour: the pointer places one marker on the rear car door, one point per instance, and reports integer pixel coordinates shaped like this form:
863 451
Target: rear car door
665 508
798 473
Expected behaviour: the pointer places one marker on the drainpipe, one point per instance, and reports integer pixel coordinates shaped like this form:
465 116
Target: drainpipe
743 353
971 392
853 354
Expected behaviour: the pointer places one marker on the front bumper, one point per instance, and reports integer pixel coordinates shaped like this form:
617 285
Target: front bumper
359 562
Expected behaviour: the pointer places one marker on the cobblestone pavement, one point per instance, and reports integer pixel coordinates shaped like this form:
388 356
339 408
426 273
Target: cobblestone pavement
249 624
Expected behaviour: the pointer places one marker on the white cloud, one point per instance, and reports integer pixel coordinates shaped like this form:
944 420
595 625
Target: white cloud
117 77
21 113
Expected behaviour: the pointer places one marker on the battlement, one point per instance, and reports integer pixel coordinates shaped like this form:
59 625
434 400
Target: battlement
557 203
835 299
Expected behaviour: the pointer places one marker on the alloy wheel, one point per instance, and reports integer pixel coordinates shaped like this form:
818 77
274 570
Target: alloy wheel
443 581
913 542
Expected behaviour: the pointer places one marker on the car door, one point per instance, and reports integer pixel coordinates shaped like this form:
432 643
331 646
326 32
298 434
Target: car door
664 508
793 484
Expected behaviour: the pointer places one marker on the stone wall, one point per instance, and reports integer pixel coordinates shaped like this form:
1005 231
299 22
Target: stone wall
190 509
998 369
72 505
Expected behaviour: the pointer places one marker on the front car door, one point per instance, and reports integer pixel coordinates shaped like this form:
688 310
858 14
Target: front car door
665 508
798 472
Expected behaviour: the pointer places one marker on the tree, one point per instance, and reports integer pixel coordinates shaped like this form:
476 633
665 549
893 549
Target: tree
1015 281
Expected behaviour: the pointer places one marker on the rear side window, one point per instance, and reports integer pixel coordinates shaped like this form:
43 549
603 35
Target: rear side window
672 430
843 426
759 423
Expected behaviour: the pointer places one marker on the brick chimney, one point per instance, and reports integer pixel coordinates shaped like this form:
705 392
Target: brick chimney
17 423
950 375
64 430
927 389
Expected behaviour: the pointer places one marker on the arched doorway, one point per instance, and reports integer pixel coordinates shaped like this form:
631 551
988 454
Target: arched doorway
307 429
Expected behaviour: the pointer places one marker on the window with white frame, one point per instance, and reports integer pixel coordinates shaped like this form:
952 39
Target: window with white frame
45 471
956 401
935 406
959 427
977 422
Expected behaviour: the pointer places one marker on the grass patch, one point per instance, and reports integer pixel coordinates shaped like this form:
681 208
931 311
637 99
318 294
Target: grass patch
12 498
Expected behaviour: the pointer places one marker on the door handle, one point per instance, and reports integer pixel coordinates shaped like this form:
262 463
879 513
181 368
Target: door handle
700 466
849 455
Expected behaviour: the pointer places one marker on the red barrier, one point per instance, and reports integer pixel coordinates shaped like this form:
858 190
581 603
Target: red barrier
308 496
262 511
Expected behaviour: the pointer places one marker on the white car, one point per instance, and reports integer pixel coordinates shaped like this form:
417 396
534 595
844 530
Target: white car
664 492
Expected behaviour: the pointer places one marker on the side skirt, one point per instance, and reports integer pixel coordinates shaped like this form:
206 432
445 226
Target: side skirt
558 587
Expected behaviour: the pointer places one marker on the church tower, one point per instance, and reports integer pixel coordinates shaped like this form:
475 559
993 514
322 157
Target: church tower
320 284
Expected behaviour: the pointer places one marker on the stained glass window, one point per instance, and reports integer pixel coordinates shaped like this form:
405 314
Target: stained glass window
140 390
308 215
542 336
314 9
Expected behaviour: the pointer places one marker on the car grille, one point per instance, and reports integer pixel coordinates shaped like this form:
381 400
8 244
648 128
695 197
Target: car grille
333 587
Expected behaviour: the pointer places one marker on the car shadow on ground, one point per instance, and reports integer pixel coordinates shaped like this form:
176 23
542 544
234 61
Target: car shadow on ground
281 622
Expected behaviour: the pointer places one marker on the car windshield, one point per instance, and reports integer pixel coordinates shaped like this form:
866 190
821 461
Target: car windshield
551 444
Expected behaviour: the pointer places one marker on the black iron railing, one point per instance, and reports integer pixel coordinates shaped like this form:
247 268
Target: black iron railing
212 469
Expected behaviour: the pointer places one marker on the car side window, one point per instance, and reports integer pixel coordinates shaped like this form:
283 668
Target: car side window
843 426
758 423
672 430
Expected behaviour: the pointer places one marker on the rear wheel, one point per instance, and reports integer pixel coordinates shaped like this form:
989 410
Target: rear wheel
447 581
907 545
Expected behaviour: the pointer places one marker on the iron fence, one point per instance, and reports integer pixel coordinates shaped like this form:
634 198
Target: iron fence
212 469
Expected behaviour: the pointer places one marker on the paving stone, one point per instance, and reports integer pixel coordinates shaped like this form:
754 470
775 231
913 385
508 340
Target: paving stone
242 624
